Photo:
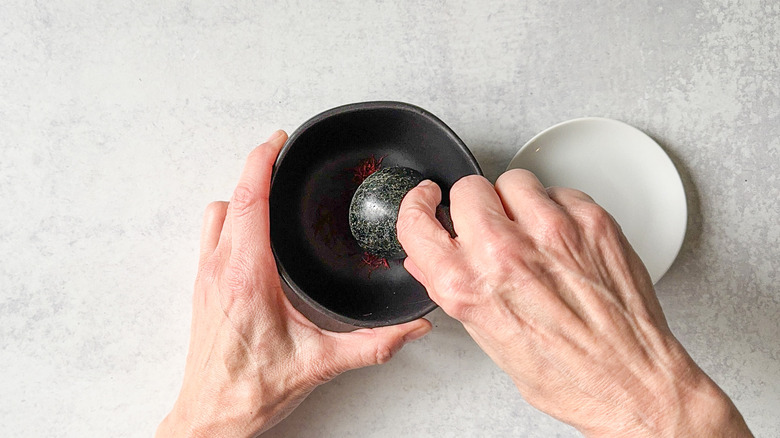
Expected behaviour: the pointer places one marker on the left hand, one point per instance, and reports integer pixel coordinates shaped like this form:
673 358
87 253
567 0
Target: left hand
252 357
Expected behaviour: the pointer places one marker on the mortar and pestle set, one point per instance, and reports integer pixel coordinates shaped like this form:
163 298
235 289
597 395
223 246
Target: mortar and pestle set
339 180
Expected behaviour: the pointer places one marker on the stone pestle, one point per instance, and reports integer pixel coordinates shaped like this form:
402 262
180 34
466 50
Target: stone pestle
373 212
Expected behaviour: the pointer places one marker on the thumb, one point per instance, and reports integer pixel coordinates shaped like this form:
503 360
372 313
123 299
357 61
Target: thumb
366 347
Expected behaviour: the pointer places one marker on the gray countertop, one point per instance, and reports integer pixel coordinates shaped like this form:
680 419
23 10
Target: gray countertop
120 121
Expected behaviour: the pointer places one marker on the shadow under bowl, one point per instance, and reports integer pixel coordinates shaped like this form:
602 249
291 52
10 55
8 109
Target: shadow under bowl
318 259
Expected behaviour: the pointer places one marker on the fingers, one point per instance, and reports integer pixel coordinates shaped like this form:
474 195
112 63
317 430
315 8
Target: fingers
366 347
523 196
213 219
248 211
421 235
584 210
574 202
474 204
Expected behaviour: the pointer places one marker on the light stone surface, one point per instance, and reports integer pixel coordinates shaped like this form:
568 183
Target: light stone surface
120 121
373 212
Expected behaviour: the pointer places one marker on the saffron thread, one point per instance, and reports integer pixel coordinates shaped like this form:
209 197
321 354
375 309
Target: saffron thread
365 168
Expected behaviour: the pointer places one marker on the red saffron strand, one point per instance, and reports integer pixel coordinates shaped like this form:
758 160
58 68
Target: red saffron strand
365 168
374 262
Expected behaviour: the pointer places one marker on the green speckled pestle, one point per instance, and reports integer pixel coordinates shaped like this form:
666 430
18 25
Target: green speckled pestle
373 212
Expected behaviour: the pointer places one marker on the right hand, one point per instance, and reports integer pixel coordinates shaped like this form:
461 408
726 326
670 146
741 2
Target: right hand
549 287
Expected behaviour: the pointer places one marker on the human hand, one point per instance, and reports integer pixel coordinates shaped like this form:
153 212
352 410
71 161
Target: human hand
252 357
548 286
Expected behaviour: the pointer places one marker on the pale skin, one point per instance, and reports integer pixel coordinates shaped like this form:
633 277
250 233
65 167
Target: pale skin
253 358
542 279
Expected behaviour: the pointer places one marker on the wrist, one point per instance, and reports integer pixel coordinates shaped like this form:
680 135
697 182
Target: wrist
174 425
690 405
710 412
185 422
240 411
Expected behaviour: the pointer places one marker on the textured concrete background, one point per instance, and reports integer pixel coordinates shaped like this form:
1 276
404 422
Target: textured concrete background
121 120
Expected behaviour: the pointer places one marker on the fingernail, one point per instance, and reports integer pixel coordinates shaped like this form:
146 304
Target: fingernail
274 136
425 183
417 334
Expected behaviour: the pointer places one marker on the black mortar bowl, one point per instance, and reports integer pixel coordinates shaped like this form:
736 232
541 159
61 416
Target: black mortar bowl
319 261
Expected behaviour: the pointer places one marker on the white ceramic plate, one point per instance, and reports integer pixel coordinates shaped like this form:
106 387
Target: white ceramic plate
625 171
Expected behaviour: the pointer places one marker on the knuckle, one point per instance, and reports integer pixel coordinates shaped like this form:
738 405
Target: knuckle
443 240
243 198
509 176
450 276
409 218
562 190
456 309
514 177
519 185
502 179
466 184
496 246
596 219
582 195
451 290
237 277
207 271
554 191
384 353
